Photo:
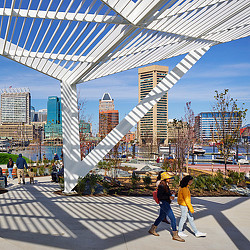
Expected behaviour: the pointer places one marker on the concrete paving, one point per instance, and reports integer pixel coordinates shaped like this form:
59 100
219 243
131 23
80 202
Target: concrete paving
33 217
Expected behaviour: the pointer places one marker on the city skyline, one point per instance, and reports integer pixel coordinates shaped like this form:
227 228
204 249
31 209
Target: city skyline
224 66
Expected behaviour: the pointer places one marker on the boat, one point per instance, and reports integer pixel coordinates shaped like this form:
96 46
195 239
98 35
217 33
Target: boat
220 159
198 150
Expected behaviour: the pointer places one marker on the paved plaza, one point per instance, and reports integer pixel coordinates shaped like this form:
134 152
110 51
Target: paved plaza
33 217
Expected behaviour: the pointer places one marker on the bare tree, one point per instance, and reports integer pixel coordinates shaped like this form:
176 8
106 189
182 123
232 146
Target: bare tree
189 133
86 144
228 120
181 143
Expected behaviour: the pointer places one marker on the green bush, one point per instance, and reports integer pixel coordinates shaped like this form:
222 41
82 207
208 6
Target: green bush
176 181
89 179
41 170
147 181
81 184
204 182
4 158
135 180
235 177
219 180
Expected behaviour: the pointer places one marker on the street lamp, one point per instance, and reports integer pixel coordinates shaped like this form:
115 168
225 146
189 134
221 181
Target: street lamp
40 129
193 156
169 149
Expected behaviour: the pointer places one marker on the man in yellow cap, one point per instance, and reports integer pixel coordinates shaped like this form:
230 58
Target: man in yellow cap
165 196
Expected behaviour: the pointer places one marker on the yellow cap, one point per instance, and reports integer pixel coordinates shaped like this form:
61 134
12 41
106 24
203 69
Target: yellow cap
165 176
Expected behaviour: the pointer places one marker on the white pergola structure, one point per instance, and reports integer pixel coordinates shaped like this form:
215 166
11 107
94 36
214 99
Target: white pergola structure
75 41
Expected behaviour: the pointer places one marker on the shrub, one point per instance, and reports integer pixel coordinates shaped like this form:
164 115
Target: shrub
235 177
35 170
81 185
200 182
41 170
135 180
147 181
219 180
176 181
90 180
4 158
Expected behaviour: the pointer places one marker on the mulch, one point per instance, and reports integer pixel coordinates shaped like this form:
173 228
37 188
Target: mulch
119 191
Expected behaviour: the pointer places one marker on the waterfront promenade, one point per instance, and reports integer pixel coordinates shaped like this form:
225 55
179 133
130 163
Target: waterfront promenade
33 217
216 167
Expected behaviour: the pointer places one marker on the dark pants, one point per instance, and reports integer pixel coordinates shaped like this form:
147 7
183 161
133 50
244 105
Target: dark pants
166 210
54 176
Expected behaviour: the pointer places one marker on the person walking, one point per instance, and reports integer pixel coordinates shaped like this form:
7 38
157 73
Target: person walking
165 196
184 201
32 176
10 166
158 181
21 163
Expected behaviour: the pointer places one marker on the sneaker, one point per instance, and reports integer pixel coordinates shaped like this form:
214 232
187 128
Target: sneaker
200 234
181 234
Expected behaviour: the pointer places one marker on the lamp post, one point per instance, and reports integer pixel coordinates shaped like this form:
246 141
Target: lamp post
193 155
169 149
40 142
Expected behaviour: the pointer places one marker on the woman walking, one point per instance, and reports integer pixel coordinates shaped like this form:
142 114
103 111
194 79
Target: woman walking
10 166
184 200
165 196
158 181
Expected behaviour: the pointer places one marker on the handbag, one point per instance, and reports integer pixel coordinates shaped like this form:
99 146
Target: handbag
156 197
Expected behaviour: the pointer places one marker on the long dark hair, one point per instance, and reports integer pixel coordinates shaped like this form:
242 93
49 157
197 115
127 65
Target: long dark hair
159 176
185 180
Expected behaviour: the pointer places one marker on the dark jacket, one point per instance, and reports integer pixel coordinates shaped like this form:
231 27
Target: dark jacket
10 164
164 194
20 162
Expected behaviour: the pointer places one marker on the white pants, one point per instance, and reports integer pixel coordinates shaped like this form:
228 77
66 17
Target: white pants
184 215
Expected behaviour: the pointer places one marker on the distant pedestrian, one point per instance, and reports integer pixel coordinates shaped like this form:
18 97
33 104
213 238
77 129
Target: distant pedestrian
56 158
32 175
21 163
184 200
54 172
10 166
60 174
165 196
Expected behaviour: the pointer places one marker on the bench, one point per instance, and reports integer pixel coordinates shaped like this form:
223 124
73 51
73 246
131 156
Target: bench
13 172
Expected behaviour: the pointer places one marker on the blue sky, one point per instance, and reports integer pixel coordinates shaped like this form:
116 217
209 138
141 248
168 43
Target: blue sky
224 66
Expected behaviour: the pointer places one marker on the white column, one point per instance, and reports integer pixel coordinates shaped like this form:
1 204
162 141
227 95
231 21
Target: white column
70 131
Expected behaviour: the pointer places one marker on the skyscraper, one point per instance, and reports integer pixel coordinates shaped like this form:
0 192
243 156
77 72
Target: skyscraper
108 117
53 128
16 114
208 125
106 103
54 113
152 128
15 106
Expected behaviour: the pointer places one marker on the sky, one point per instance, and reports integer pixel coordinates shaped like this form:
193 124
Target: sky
225 66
